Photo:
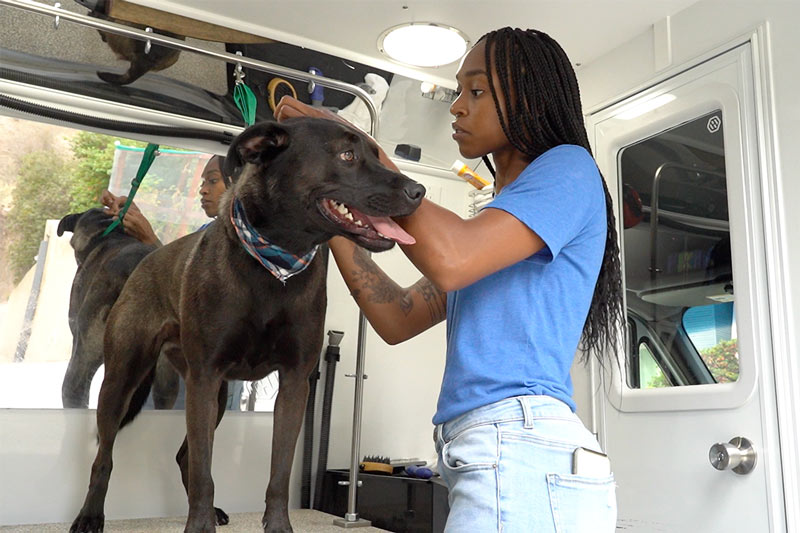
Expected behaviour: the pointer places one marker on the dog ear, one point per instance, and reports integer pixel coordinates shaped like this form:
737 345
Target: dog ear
68 223
262 143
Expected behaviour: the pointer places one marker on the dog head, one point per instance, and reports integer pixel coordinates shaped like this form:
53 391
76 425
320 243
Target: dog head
86 228
309 179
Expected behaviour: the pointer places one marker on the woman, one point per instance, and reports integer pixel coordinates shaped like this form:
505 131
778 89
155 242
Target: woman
213 184
544 279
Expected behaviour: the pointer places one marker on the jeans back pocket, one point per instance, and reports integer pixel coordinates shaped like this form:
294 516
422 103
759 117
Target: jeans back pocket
583 504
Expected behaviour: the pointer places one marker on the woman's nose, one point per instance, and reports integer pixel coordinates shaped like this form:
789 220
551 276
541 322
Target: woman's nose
455 108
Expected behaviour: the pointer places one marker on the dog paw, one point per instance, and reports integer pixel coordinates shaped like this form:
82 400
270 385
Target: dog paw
222 518
276 526
269 529
88 524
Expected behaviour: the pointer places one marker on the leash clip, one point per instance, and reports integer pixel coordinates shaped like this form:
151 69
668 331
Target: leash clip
238 72
147 44
57 5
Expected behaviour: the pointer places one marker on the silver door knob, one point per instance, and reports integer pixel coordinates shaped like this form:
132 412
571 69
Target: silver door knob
737 455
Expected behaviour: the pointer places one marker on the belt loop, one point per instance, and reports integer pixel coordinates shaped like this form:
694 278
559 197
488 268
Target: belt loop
526 412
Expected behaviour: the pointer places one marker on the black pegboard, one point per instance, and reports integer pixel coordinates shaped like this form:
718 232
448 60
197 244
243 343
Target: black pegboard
302 59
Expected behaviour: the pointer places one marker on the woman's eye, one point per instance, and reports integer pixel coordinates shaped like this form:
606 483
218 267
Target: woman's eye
476 92
347 155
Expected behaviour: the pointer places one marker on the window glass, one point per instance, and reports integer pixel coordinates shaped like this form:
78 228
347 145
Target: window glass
678 271
712 330
650 374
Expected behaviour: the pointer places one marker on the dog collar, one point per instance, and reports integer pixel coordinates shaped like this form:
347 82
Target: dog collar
279 262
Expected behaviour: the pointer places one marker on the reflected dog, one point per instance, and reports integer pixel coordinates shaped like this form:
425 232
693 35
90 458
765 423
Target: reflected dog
104 264
245 297
133 50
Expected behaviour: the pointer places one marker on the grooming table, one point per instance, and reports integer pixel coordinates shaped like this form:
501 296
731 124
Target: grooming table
303 521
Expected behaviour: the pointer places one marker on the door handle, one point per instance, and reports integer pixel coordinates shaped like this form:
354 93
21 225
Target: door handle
737 455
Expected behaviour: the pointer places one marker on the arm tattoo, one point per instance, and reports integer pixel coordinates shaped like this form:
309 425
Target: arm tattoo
435 298
379 288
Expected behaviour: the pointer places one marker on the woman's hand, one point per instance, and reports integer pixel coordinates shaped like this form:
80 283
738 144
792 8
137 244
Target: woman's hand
112 203
290 107
137 226
134 223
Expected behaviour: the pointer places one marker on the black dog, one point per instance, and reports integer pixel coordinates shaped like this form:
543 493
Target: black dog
133 50
104 264
215 311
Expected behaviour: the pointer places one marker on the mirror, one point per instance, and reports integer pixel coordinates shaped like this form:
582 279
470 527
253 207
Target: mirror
53 171
79 59
677 256
67 176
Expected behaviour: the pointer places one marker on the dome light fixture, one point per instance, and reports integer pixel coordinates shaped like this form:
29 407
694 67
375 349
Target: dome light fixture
423 44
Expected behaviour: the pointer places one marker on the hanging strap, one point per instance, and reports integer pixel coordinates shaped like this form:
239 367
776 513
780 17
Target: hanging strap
246 102
243 97
147 160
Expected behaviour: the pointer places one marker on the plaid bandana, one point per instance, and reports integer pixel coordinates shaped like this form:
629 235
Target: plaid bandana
279 262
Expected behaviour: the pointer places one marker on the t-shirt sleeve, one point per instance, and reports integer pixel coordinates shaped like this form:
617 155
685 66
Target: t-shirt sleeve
555 196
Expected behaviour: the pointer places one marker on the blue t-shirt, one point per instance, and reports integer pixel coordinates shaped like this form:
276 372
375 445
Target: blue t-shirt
515 332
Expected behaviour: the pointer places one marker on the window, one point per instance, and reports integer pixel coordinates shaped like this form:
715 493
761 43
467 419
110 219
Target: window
678 272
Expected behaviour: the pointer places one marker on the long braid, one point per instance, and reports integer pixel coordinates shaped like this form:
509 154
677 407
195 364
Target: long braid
542 110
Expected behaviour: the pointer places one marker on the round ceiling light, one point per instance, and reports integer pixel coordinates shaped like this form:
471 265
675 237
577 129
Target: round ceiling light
423 44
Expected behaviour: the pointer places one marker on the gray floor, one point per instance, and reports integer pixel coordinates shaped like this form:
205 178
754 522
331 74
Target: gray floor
303 521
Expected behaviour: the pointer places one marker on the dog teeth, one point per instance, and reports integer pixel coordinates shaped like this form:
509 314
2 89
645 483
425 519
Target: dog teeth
341 208
358 223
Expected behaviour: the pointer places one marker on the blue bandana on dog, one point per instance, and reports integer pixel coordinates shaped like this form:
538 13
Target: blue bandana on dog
279 262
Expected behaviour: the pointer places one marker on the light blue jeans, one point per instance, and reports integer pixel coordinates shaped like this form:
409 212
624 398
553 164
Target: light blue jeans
508 467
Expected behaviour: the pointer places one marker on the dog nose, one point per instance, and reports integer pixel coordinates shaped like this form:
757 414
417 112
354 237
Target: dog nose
414 191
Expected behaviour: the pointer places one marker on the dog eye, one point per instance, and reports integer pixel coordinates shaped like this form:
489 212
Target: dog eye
348 155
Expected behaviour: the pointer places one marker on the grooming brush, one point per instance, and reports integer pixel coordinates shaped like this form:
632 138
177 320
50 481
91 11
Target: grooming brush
376 464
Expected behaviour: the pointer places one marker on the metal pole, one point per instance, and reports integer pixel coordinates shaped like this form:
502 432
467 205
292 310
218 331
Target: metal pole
170 42
33 300
351 518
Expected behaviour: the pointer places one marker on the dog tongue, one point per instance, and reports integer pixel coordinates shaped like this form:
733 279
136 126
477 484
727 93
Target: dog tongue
389 228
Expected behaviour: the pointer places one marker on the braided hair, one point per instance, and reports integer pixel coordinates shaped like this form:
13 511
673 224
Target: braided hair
542 109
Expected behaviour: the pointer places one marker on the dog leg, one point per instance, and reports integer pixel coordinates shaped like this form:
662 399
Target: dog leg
83 364
165 385
289 408
202 390
182 457
119 384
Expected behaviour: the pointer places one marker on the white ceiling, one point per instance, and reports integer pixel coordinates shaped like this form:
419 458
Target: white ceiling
350 28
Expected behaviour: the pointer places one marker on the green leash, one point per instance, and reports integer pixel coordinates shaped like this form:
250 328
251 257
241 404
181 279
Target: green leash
246 102
244 99
144 166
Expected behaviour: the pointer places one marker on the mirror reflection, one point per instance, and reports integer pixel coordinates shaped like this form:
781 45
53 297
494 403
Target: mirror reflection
61 283
49 172
677 246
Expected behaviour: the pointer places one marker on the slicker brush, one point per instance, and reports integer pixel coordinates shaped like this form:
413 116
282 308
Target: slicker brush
376 464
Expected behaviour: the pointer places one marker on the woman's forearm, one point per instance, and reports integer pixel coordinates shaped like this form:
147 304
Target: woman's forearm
396 313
